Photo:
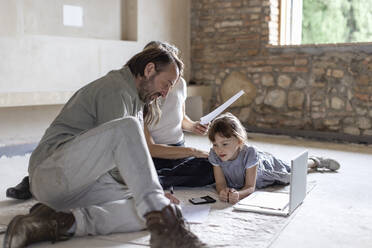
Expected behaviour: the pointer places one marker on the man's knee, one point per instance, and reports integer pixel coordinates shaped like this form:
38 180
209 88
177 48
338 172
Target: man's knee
130 123
128 127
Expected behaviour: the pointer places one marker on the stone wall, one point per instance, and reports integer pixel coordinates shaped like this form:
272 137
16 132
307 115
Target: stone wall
321 90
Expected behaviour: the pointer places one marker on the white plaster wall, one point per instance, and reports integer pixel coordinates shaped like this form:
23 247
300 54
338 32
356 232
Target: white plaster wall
32 59
168 21
25 124
101 19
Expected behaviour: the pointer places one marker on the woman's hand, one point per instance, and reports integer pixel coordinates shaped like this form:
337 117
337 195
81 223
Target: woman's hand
200 129
224 195
199 153
233 196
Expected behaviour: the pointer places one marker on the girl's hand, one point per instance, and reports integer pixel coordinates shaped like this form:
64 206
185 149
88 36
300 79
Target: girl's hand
233 196
224 195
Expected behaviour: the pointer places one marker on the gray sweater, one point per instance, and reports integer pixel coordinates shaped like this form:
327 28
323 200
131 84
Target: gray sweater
110 97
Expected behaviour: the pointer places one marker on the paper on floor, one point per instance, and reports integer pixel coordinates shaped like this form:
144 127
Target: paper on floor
195 213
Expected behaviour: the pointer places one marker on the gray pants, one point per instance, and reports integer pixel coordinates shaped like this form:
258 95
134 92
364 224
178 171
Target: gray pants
75 178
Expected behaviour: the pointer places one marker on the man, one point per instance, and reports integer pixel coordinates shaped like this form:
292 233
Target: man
98 129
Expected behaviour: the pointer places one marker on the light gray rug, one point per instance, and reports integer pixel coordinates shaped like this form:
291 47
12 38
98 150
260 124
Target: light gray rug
224 227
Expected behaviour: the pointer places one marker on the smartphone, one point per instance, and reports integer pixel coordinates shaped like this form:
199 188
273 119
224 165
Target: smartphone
202 200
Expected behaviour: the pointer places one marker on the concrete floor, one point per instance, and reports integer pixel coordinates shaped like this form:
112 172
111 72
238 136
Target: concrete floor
336 213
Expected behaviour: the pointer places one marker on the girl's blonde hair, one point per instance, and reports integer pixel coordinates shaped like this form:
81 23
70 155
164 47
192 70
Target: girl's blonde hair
227 125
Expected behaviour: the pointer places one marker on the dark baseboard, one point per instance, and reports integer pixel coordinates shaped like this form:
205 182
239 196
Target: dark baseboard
317 135
17 150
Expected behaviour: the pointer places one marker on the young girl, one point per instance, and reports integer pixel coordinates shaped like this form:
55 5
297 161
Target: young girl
240 168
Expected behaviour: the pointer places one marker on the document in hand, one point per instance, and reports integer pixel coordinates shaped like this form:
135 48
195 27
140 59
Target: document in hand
209 117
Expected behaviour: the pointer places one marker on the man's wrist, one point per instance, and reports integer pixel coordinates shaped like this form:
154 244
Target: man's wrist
192 152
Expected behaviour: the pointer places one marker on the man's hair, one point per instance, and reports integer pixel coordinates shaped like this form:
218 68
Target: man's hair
165 45
227 125
157 55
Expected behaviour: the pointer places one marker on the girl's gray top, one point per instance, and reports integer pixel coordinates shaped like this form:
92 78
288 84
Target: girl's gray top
110 97
270 170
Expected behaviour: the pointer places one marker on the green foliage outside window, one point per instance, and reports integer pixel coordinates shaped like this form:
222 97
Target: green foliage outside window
336 21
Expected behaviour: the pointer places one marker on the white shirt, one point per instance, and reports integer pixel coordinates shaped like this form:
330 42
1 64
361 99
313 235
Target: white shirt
169 128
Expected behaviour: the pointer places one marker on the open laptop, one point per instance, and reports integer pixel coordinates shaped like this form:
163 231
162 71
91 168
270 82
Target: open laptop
280 203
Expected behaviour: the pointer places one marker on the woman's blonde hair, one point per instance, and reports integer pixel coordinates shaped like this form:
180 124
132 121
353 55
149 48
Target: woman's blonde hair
227 125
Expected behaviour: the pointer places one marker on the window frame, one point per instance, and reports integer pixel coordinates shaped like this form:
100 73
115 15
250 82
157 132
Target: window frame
290 22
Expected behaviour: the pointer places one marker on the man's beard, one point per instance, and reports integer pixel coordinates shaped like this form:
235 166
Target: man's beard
146 91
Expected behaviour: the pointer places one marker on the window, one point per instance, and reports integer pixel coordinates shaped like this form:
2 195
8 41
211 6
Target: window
323 21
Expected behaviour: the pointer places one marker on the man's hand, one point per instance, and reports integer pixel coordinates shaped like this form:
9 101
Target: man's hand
172 198
200 129
224 195
233 196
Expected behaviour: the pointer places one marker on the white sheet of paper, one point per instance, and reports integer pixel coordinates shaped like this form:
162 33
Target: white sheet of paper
209 117
195 213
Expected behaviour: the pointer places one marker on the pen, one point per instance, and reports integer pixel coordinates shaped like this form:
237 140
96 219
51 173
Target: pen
171 190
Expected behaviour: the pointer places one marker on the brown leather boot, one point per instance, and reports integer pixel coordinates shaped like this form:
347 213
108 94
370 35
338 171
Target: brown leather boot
168 229
42 224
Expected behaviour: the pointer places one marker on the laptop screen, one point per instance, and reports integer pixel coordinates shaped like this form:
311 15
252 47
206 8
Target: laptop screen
298 181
